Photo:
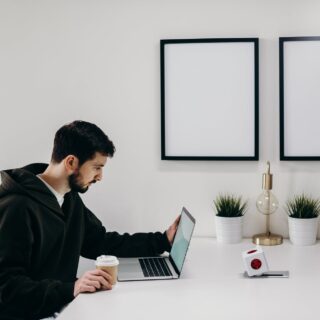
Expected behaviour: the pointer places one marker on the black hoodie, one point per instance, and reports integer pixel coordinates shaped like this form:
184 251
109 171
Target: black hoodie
40 244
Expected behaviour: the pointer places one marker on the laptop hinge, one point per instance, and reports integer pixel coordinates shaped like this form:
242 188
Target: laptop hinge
174 266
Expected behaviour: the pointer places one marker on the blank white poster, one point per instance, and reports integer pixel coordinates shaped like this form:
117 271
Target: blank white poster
210 99
301 74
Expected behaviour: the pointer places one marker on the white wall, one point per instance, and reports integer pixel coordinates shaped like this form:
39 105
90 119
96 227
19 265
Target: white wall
98 60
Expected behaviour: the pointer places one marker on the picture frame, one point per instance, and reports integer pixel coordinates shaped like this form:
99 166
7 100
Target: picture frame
299 72
210 99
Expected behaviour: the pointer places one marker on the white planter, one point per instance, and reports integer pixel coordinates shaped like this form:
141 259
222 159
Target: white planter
303 232
229 230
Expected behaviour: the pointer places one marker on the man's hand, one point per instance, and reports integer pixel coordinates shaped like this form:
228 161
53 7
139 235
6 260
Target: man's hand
92 281
171 232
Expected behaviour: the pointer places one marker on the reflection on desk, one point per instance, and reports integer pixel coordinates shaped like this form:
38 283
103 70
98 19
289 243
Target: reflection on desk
212 286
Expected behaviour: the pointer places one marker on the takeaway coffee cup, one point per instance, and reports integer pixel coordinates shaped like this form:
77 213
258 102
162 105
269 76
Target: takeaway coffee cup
108 264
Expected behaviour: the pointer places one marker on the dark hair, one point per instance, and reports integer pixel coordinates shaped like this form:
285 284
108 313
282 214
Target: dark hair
81 139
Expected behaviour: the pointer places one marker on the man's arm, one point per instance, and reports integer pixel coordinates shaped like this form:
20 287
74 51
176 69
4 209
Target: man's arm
97 241
20 295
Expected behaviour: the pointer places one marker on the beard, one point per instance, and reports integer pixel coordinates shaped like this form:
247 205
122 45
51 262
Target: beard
76 185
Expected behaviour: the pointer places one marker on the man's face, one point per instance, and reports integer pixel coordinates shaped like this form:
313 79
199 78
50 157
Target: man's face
88 173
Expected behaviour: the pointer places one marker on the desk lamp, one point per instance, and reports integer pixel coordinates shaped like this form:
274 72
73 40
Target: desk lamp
267 204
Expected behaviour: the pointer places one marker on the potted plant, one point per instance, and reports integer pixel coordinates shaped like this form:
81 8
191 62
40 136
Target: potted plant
303 212
229 213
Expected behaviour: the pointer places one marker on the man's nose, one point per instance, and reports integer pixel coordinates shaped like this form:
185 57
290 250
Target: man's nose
98 177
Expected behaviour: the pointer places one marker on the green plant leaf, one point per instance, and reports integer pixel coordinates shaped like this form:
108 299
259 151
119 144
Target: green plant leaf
229 205
303 207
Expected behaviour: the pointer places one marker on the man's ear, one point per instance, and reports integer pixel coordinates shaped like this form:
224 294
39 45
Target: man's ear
71 163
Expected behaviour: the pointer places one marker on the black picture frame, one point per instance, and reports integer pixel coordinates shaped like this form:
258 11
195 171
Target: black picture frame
227 71
299 79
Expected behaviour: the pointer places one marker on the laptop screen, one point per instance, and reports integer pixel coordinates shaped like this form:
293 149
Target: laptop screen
182 239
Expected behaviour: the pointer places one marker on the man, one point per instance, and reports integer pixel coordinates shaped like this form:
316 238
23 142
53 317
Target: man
45 227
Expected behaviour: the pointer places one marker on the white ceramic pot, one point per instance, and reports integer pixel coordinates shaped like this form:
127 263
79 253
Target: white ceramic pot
229 230
303 232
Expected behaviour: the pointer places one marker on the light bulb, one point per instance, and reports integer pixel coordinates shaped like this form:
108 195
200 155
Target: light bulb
267 203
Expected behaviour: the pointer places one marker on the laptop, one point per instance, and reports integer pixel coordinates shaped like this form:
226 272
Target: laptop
161 268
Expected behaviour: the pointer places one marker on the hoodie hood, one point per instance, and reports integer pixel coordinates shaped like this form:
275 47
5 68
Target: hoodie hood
25 182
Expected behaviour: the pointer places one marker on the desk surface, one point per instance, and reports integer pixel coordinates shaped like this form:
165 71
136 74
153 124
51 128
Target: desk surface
212 286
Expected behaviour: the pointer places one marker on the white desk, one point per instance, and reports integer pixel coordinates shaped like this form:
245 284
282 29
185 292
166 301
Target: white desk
212 287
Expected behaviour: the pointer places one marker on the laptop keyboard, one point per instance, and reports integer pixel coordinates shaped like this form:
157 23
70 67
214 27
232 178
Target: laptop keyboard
154 267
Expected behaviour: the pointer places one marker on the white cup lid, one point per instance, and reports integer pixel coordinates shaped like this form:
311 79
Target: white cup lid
107 261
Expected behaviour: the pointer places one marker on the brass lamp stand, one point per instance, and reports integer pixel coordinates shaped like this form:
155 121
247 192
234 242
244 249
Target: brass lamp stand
267 204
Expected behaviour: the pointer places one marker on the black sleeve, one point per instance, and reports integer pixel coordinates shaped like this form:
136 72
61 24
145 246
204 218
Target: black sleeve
97 241
21 297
